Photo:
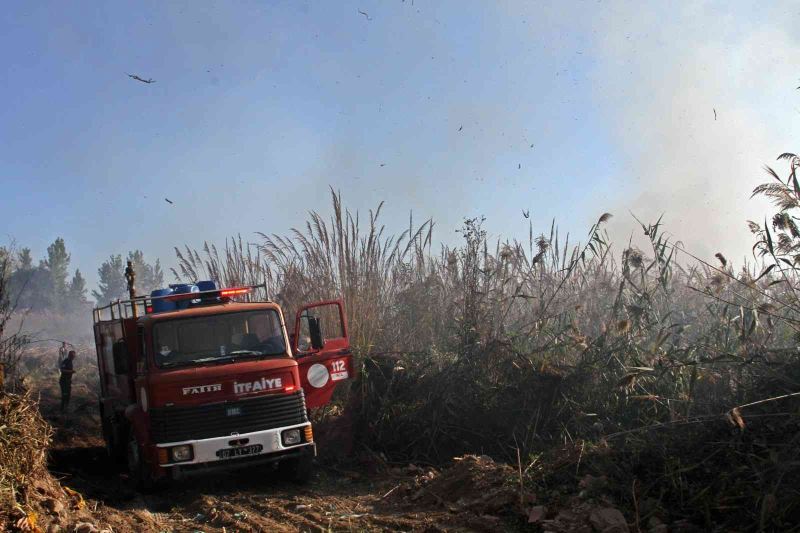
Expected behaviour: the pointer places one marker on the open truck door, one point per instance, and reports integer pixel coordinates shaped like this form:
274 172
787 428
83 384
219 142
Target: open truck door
322 349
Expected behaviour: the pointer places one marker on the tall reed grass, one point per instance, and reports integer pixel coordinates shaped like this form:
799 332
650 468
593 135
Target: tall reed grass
520 348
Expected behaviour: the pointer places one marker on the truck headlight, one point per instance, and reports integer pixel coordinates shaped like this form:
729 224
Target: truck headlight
181 453
292 437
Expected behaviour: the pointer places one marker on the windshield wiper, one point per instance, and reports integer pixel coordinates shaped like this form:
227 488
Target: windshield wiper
172 364
196 361
245 352
213 359
228 358
251 353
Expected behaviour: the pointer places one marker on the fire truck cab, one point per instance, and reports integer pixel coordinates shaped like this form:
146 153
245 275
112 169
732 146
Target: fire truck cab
195 378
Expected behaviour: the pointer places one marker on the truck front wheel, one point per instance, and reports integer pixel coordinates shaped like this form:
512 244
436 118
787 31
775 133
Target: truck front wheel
139 474
299 469
115 439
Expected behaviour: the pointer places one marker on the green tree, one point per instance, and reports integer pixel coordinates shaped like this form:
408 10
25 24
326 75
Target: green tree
31 286
19 281
148 277
5 260
25 260
112 285
58 265
77 290
36 287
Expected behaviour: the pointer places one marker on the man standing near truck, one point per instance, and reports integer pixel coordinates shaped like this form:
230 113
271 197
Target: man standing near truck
65 381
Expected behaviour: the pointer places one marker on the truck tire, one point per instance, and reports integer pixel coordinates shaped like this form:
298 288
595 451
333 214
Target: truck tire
115 439
299 470
139 475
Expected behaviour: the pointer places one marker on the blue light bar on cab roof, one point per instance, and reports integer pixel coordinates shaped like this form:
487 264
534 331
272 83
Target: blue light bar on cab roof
180 296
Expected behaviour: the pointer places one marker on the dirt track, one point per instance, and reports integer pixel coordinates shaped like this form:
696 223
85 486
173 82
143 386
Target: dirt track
344 496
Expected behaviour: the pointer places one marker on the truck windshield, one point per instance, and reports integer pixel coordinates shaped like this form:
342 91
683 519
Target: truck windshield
218 338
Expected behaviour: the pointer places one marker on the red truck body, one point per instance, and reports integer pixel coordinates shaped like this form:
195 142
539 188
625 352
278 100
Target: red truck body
215 383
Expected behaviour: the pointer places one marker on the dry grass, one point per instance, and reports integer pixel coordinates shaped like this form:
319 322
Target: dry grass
24 441
24 435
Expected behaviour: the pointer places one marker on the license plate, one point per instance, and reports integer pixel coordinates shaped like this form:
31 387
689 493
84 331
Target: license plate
228 453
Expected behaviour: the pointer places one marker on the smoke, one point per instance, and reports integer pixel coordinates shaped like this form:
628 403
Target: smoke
700 101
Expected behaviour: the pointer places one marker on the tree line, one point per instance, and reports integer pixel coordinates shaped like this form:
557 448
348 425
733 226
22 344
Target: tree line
48 286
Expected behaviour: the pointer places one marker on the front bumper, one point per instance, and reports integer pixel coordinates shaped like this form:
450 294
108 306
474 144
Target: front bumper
252 461
205 450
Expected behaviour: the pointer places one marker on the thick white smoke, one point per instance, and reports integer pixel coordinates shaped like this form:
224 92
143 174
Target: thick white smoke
700 100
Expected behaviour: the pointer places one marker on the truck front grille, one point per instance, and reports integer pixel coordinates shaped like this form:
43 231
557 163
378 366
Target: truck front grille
174 424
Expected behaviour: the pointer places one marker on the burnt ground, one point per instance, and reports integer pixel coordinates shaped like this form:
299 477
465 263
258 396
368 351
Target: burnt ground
346 494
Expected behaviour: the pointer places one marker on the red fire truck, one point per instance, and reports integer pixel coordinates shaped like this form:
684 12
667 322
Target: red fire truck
195 378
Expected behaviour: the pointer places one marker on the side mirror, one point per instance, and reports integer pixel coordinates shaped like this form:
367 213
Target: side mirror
315 332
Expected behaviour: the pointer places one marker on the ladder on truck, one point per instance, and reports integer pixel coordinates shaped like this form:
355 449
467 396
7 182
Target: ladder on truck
141 305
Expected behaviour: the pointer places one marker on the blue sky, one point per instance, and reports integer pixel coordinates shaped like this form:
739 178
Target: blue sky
259 107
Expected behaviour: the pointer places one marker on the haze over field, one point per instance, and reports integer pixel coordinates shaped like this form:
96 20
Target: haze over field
464 368
446 109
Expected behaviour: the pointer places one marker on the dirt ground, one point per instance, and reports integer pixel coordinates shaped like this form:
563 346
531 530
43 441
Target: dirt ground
347 494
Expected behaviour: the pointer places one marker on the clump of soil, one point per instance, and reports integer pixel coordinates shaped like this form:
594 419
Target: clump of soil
472 483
